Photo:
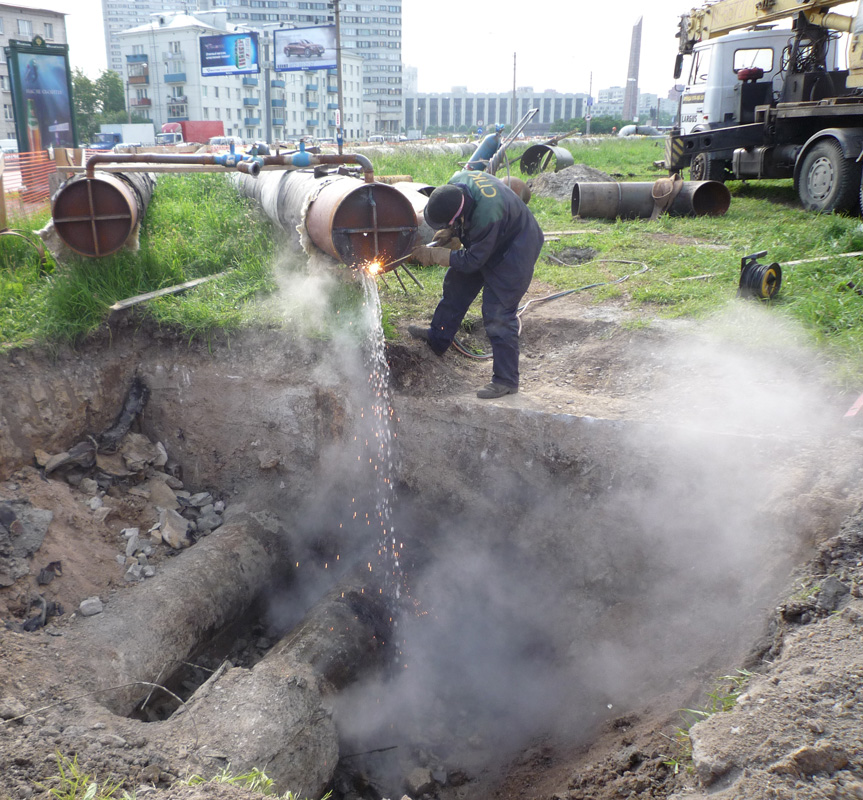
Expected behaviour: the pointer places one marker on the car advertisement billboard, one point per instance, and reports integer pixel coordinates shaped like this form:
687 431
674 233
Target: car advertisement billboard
305 48
230 54
41 84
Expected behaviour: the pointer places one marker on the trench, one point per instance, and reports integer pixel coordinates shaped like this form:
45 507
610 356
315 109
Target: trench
553 568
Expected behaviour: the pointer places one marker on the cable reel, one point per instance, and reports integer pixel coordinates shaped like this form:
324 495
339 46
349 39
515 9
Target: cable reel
759 280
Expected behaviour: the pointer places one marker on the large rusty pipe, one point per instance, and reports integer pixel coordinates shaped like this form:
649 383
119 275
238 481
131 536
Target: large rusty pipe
96 216
635 199
353 221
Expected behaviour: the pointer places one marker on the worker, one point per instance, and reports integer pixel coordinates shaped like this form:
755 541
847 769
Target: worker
490 241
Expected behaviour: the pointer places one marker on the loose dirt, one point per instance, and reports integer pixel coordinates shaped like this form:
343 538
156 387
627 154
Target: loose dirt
793 730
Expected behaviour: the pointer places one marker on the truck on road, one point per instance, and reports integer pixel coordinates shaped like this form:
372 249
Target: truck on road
189 131
136 133
766 102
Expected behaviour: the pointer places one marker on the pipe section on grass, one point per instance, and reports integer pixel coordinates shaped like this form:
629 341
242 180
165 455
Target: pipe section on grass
353 221
96 216
635 200
537 157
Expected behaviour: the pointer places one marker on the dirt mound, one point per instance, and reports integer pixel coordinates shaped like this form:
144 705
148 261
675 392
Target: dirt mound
559 184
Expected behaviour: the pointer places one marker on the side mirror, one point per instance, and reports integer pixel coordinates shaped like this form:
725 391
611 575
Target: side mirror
678 66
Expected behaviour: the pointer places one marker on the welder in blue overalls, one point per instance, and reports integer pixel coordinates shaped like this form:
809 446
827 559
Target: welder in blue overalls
496 243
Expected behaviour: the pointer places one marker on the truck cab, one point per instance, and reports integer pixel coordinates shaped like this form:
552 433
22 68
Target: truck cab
730 76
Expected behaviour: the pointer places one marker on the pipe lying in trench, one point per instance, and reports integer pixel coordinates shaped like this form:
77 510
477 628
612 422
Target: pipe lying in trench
633 200
273 715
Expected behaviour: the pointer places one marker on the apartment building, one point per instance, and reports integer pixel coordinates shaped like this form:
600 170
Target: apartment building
371 31
23 22
164 83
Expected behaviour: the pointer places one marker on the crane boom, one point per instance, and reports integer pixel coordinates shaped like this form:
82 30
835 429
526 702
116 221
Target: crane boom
721 17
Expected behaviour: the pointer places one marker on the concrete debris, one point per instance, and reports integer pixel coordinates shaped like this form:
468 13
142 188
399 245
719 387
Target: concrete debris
22 530
90 607
174 529
11 707
420 781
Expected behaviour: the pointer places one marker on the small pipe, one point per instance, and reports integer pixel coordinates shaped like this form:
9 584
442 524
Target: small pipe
303 158
224 160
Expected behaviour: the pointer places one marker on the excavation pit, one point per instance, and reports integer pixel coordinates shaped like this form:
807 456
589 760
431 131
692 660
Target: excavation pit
561 562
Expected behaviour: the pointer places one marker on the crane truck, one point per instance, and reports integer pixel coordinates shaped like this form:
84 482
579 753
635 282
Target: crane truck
767 102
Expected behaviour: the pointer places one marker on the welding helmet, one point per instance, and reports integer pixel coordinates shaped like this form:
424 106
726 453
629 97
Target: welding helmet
444 206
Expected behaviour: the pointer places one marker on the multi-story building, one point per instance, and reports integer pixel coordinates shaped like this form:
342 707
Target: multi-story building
372 30
464 110
164 84
120 15
23 23
609 102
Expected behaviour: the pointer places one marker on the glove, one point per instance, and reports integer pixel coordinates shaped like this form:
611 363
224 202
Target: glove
443 236
431 256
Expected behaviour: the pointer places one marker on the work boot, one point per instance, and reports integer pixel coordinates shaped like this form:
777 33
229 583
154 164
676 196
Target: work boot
494 390
417 332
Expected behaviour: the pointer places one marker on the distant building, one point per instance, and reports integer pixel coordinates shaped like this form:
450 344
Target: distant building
164 84
120 15
460 109
23 23
631 97
376 39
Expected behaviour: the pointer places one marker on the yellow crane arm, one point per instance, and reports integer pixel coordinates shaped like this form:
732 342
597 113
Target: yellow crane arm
724 16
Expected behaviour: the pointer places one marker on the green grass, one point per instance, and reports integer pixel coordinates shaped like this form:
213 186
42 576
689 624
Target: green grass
198 226
722 698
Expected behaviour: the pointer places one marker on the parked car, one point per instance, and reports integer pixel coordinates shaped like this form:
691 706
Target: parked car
226 141
9 145
376 139
303 47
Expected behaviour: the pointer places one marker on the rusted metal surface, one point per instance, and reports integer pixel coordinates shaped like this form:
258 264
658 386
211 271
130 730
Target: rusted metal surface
95 215
357 223
538 157
634 199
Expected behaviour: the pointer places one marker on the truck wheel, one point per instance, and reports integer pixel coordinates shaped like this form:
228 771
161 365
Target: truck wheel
704 168
828 181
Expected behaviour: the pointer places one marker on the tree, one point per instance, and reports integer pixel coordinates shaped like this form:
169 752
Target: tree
109 89
86 103
97 102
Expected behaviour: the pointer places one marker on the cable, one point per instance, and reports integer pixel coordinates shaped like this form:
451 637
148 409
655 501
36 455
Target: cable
482 356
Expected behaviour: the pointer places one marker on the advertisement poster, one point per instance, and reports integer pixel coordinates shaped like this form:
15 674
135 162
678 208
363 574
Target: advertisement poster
230 54
305 48
42 95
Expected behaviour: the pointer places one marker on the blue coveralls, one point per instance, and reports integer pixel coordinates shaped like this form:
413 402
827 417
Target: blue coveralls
501 242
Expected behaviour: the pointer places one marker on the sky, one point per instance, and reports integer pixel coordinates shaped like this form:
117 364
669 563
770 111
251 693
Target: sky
556 47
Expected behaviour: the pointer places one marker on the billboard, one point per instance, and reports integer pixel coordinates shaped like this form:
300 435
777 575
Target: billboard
305 48
230 54
41 84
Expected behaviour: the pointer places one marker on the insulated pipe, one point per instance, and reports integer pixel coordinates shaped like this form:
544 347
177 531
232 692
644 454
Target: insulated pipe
633 200
418 195
537 157
353 221
250 165
97 216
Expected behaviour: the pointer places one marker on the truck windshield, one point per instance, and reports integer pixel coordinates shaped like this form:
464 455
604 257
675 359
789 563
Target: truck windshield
165 138
104 138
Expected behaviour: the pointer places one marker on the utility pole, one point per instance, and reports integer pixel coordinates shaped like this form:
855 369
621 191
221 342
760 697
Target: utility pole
340 122
589 104
512 116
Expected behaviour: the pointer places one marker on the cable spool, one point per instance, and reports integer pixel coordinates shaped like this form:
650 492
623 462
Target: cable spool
759 280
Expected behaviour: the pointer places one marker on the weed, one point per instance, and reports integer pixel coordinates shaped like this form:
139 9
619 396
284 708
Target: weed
73 784
254 780
723 698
